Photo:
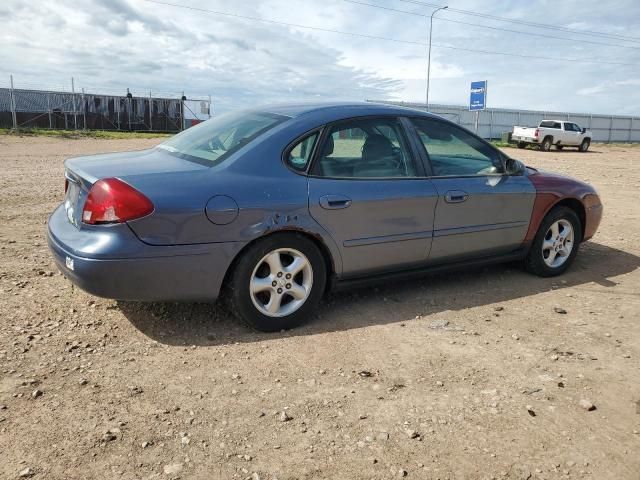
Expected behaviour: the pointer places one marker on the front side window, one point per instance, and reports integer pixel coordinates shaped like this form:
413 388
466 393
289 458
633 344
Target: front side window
299 156
365 148
455 152
212 141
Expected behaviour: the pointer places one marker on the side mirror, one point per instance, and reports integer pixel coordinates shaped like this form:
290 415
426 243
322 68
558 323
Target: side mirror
513 167
584 130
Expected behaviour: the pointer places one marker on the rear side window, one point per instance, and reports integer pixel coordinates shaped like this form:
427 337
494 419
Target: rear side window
365 148
550 124
299 156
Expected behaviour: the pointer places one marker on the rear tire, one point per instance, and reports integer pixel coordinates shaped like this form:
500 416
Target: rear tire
545 146
584 146
521 145
556 243
278 282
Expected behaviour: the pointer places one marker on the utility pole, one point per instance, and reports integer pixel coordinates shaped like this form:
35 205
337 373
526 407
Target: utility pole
429 60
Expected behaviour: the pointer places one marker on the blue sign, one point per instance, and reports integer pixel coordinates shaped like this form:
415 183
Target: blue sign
478 97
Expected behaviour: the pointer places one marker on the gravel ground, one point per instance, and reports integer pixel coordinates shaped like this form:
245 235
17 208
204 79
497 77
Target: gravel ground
487 374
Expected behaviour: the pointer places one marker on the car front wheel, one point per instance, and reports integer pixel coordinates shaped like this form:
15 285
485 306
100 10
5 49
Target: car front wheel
555 246
278 282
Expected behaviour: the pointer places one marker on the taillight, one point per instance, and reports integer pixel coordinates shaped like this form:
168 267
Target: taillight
536 133
112 201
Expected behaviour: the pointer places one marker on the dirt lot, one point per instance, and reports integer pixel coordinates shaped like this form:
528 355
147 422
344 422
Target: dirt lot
478 367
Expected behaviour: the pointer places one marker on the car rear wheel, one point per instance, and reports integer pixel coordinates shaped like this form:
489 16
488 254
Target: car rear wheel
584 146
555 246
545 146
278 282
521 144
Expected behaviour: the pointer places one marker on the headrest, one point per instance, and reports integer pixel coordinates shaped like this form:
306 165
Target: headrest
328 146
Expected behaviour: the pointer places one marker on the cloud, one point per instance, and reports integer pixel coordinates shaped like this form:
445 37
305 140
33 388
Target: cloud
117 44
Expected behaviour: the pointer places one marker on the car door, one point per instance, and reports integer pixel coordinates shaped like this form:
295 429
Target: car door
367 190
481 211
570 135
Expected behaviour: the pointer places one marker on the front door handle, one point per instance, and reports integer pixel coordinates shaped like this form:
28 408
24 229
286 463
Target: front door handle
456 196
334 202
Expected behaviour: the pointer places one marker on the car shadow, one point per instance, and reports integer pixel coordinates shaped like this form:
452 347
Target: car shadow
206 324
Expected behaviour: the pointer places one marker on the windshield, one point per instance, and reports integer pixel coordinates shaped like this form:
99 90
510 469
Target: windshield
212 141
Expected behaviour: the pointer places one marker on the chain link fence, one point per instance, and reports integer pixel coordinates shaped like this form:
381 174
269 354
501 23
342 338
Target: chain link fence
80 110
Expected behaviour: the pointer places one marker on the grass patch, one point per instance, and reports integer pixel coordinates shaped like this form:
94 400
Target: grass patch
107 134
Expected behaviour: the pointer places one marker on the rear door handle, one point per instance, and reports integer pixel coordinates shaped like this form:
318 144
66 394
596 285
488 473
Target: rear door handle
334 202
456 196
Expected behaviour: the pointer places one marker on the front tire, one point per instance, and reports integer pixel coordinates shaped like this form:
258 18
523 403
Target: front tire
278 282
584 146
555 246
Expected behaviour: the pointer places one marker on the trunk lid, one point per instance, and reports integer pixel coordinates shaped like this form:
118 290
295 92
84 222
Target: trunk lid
82 172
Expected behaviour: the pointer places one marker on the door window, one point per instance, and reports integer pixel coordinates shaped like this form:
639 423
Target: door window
455 152
365 148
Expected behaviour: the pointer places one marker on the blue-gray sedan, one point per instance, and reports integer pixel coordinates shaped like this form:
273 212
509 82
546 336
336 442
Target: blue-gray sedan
271 206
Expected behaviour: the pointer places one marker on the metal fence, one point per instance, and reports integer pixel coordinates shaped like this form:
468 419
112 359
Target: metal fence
75 110
494 121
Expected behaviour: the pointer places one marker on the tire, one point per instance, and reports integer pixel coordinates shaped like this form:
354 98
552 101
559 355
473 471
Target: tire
521 145
538 260
559 147
255 269
584 146
545 146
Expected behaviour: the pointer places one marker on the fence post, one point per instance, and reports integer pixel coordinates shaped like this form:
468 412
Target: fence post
49 110
13 106
73 100
610 128
84 111
491 126
209 106
150 111
182 112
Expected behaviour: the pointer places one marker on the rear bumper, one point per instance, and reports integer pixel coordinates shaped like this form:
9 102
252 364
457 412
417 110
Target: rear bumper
519 138
112 262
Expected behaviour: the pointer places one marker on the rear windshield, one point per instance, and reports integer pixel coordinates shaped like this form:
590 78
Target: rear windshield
212 141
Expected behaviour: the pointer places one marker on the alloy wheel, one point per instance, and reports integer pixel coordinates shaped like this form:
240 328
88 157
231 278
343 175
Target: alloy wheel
558 243
281 282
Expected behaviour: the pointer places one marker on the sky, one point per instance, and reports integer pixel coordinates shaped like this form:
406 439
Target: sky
108 46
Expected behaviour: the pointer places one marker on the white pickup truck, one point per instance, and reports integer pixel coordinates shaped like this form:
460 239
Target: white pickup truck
553 132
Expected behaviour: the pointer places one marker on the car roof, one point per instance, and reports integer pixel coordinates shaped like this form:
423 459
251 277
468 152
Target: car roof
361 108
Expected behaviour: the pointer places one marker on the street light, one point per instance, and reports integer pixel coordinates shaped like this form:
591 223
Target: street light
429 61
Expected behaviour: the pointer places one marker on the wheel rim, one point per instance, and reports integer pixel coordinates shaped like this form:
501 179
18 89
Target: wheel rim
558 243
281 282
